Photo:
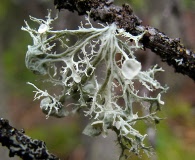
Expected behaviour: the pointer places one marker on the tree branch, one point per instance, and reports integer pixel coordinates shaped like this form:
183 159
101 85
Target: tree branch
22 145
170 50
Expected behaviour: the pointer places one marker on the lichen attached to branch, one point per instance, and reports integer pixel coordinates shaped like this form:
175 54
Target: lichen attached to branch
76 68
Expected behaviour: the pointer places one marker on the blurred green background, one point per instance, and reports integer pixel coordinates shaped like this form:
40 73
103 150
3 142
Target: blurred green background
174 137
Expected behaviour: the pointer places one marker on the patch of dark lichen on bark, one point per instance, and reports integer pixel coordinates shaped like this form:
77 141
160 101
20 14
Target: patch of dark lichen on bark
22 145
170 50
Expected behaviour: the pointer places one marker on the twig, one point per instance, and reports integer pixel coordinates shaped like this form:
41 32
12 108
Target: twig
170 50
22 145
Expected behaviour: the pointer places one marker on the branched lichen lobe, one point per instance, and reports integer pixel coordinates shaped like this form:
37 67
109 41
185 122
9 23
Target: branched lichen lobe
75 70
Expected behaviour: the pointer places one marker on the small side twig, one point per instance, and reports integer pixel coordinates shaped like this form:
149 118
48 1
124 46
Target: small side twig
22 145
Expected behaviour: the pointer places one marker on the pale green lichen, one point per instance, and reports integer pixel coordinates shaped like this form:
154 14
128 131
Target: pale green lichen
74 67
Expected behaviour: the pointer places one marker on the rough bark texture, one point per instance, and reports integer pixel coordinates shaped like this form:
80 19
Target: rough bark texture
22 145
170 50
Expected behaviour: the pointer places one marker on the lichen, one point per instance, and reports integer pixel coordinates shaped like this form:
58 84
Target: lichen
74 67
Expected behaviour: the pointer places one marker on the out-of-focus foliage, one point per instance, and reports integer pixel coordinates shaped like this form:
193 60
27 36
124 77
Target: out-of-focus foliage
15 71
189 4
4 9
175 135
59 139
13 42
141 4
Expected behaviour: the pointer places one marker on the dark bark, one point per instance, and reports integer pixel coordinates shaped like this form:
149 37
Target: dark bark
170 50
22 145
